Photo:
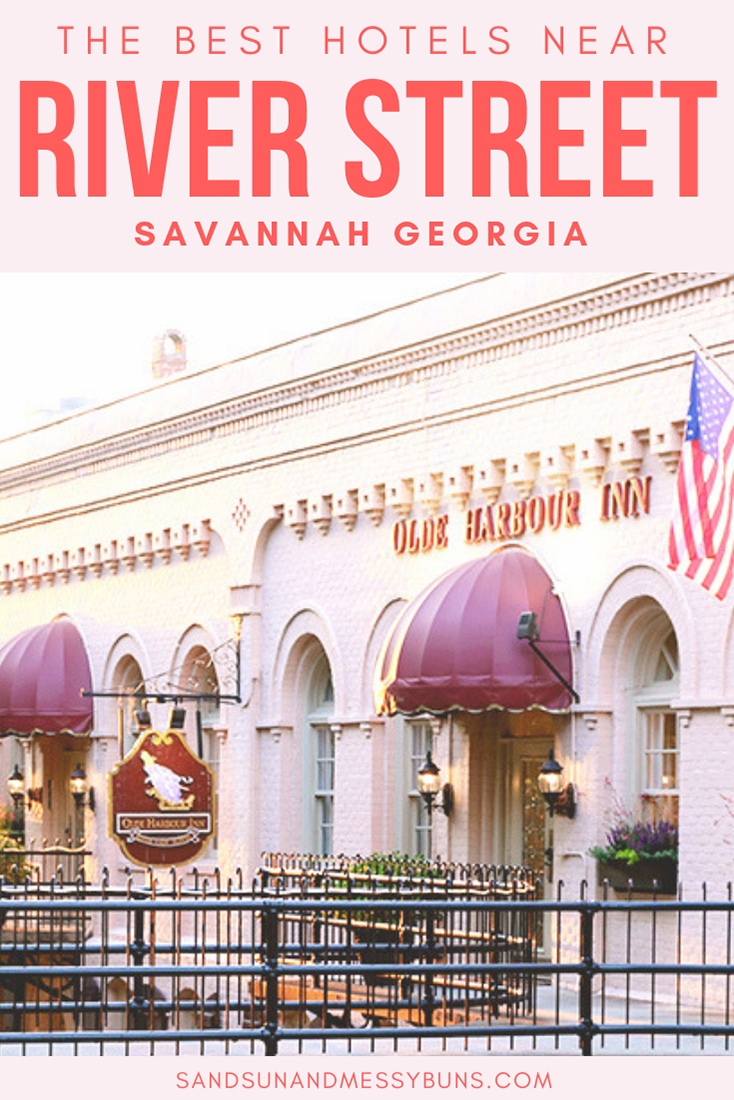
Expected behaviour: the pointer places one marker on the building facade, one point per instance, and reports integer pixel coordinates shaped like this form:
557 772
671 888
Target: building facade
257 529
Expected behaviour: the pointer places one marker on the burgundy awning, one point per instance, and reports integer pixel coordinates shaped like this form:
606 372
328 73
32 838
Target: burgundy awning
455 647
42 674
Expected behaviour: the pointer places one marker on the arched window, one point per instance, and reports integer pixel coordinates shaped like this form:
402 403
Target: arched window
321 756
128 680
203 718
199 677
656 760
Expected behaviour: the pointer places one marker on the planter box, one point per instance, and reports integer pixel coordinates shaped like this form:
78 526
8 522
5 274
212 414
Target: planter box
643 876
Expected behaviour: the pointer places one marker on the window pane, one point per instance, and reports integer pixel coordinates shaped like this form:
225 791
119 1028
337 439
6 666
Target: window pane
421 743
669 771
324 787
660 765
324 759
327 811
325 823
325 776
667 666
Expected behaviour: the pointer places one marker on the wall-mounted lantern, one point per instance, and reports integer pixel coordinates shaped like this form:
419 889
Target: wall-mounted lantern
80 790
16 787
16 790
560 799
430 786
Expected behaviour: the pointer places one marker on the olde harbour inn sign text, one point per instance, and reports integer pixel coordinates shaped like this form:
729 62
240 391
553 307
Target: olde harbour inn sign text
161 800
513 519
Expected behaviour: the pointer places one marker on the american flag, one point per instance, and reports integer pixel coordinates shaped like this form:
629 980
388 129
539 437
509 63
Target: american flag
701 541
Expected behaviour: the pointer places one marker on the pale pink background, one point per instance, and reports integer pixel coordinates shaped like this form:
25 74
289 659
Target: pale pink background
572 1078
49 233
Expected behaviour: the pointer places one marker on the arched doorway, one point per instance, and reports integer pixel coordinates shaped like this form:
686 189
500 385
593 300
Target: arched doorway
46 698
63 816
503 693
504 753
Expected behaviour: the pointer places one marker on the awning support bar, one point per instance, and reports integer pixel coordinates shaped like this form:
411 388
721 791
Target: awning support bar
561 679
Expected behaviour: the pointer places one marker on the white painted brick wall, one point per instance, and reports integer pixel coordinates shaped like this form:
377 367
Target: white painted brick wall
605 383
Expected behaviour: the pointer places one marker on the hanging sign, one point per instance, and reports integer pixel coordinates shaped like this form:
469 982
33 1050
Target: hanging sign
161 800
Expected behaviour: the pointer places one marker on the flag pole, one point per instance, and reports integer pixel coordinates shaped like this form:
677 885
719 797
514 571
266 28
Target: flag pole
709 355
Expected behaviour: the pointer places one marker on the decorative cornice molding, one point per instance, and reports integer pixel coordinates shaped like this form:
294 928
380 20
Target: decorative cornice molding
93 561
635 299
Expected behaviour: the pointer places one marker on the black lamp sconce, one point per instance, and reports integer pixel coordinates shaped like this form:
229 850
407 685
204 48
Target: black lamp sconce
560 799
16 787
16 790
19 794
80 790
430 786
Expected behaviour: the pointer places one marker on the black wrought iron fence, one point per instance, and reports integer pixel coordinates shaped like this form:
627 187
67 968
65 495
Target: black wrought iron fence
195 964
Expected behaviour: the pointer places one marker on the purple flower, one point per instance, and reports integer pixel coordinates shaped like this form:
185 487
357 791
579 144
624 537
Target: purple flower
644 838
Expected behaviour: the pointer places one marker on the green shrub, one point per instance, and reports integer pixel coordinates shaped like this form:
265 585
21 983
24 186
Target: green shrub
13 867
379 877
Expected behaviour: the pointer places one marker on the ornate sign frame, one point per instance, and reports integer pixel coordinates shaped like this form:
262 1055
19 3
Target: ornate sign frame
177 824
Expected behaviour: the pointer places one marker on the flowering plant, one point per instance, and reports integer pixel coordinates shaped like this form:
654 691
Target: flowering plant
395 865
630 841
383 876
13 867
